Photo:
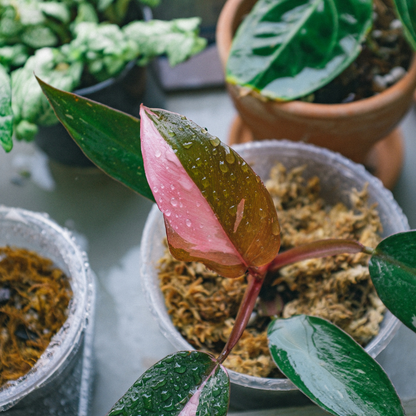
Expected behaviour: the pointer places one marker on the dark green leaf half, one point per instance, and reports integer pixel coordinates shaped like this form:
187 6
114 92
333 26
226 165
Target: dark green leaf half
6 113
286 49
393 271
110 138
186 378
406 10
331 368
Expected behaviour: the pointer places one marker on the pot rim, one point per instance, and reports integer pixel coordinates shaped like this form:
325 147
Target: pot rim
406 85
43 233
155 297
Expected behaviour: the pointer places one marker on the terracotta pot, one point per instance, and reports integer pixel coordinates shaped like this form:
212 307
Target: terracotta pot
351 129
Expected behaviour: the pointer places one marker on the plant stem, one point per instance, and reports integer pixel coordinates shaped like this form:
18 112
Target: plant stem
320 248
255 282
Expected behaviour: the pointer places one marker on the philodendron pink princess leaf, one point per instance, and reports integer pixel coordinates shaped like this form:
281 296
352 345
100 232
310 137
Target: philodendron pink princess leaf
216 209
186 383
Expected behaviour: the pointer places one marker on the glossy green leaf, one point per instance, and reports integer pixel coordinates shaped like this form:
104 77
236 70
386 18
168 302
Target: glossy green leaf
406 10
110 138
216 208
331 368
6 113
393 271
286 49
185 383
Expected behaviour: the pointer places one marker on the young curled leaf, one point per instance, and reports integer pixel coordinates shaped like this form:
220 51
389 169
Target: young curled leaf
216 208
187 383
393 271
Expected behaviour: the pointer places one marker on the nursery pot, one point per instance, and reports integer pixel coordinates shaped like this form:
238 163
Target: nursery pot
352 129
60 381
338 176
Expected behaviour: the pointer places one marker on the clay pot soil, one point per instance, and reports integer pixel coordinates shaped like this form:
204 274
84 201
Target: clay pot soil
352 129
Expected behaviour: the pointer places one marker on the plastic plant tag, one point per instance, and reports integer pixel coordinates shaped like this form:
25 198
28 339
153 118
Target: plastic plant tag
329 367
393 271
187 383
288 49
110 138
216 209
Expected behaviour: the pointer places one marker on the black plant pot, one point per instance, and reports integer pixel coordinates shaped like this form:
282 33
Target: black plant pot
135 85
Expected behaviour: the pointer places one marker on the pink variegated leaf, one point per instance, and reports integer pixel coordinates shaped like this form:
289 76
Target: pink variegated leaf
216 209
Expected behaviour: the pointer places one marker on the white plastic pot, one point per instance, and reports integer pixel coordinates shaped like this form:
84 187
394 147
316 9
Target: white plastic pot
60 381
338 176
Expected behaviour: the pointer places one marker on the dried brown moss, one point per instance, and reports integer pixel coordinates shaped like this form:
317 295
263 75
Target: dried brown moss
34 299
203 305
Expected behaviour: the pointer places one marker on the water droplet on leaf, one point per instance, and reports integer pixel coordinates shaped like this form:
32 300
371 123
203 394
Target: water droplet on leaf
223 167
215 141
230 158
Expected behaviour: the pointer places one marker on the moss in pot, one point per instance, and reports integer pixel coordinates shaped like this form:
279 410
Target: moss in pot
60 379
303 105
203 305
201 184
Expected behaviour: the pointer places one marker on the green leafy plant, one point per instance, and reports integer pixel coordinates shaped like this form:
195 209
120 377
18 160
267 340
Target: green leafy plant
287 50
75 44
217 211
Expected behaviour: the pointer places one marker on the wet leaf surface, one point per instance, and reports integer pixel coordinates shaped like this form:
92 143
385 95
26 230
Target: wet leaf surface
187 383
393 272
331 368
216 208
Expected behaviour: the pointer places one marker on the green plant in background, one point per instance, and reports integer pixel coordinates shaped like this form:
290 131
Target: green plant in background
286 50
72 44
166 157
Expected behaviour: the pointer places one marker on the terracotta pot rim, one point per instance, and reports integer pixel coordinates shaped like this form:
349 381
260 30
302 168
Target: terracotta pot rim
390 95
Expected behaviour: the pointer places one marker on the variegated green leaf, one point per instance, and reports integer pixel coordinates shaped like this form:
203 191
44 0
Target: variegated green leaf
286 49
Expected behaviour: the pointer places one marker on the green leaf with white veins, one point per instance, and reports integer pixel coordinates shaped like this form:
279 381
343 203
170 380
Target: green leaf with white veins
6 113
177 38
285 49
29 104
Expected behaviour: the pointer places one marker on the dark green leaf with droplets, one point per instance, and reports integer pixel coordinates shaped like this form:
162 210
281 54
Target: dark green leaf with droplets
110 138
393 272
225 180
167 387
406 10
329 367
286 49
